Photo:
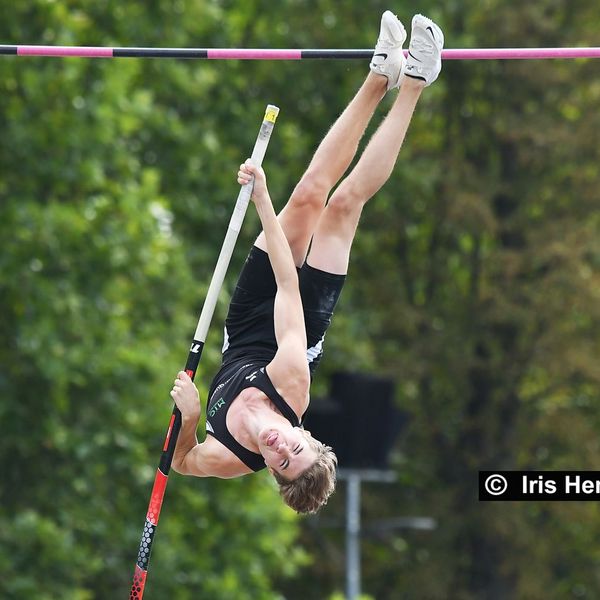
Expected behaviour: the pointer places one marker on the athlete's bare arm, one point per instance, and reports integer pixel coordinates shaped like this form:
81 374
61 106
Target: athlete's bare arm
289 369
185 395
206 459
190 457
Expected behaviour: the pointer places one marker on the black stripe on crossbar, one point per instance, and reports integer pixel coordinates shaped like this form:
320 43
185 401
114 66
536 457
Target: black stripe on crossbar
160 53
8 49
340 54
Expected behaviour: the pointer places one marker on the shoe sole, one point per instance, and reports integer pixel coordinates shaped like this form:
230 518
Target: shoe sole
392 23
427 25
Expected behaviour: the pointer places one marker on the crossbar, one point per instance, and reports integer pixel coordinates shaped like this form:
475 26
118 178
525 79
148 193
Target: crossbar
288 54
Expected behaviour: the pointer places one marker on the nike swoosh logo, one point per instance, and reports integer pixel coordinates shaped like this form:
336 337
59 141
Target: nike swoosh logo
411 54
431 30
381 54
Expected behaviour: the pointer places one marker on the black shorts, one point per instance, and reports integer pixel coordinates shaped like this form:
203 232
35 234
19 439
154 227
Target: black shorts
249 327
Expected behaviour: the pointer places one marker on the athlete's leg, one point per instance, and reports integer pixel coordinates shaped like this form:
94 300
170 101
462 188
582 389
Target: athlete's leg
329 163
330 250
337 149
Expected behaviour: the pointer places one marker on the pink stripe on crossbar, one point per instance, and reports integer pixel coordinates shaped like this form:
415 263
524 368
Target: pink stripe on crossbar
82 51
511 53
257 54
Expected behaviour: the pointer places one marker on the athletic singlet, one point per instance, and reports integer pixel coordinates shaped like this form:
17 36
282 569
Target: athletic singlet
227 385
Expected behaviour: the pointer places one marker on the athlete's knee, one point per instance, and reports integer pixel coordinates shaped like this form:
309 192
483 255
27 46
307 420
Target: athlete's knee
345 202
311 191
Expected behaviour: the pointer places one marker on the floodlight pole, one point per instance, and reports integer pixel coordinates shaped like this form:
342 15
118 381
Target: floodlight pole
354 478
353 536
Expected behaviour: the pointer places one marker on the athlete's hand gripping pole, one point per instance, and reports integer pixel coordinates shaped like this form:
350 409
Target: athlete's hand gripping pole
162 473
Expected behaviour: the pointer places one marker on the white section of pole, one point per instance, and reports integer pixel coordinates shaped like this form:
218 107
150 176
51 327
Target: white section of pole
235 224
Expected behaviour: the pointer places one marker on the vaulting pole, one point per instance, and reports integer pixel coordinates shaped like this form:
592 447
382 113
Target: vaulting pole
288 54
162 473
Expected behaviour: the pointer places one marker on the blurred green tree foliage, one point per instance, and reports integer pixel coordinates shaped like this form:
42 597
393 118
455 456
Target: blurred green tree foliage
112 216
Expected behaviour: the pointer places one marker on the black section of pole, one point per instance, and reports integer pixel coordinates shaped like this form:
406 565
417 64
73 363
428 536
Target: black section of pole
191 367
166 458
193 359
8 49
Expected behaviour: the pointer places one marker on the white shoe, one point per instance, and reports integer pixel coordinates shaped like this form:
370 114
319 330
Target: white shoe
388 58
424 59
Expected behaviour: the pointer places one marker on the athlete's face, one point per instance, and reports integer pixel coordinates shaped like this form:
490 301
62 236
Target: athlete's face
286 450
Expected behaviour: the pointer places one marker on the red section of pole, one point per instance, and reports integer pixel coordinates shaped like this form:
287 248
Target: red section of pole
156 498
152 516
139 581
